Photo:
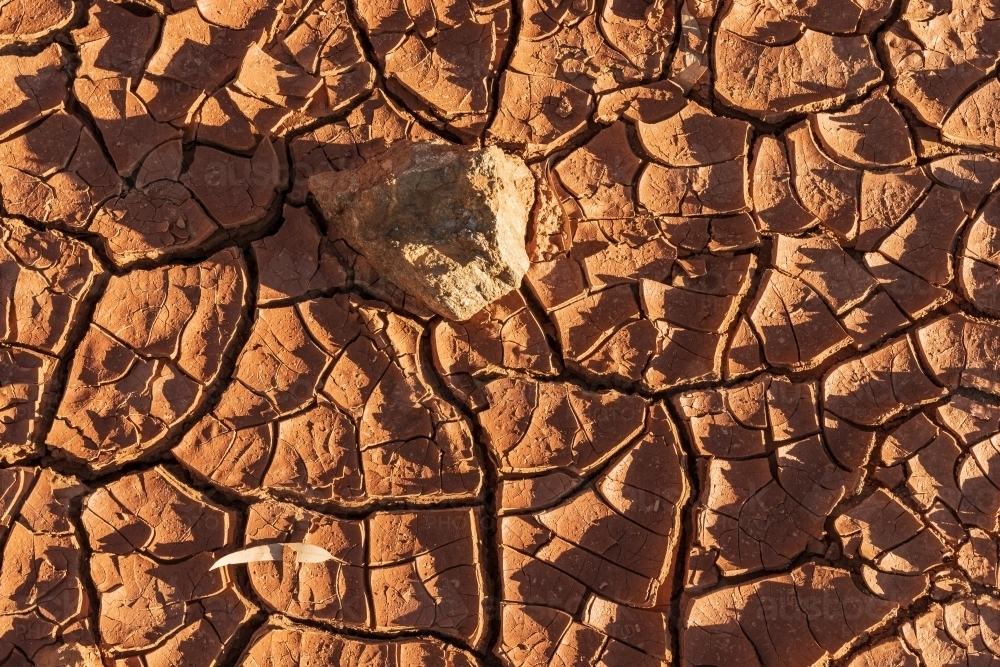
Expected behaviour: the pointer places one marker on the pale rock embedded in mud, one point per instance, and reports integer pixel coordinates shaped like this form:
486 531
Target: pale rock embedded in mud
444 223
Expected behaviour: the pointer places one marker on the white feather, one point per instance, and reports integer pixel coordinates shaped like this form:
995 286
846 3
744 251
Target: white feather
304 553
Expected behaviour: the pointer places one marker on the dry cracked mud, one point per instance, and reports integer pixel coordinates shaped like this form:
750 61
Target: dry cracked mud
743 411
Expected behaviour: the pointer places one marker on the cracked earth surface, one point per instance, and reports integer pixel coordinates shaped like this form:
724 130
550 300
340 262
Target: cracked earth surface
744 410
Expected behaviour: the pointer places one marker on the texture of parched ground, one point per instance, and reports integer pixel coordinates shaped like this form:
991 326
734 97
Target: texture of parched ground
745 409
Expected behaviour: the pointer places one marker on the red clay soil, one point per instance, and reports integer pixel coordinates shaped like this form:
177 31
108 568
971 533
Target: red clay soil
743 411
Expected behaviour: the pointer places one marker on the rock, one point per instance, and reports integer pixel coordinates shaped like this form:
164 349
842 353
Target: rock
444 223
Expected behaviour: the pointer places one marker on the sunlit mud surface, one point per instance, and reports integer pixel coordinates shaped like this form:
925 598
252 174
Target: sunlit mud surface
744 409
